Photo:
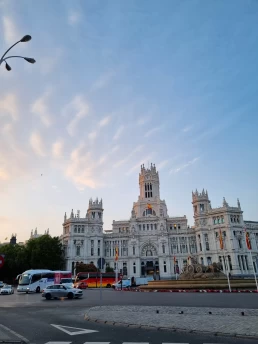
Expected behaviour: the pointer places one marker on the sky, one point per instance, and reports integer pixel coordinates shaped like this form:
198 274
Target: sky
121 83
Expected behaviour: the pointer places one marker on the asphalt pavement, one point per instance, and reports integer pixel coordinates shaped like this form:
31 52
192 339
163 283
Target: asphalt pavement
31 319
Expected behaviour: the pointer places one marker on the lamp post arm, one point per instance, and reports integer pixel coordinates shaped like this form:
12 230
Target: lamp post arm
2 58
10 57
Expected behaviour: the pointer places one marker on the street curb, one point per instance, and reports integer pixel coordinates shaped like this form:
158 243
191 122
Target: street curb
186 290
171 329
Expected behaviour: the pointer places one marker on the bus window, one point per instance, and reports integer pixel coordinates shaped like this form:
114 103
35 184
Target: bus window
36 277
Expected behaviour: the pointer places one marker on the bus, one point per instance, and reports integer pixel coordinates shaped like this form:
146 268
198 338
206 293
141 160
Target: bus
93 279
37 280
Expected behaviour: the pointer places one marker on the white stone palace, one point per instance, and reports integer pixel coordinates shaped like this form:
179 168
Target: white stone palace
153 243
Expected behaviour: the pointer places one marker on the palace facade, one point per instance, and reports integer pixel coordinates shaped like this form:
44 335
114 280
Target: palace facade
153 243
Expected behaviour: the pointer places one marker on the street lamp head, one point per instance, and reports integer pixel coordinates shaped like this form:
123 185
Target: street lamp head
7 67
29 59
26 38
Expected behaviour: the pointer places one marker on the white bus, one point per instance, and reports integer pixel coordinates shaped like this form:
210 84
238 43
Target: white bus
37 280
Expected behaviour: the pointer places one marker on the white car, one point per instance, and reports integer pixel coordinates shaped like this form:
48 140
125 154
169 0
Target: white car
57 291
68 282
7 290
1 284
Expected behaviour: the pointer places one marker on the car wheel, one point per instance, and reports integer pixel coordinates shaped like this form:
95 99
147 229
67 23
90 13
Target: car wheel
48 296
70 296
38 290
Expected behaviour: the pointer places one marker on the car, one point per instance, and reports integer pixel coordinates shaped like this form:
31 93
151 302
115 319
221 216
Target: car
68 282
6 290
1 284
81 285
57 291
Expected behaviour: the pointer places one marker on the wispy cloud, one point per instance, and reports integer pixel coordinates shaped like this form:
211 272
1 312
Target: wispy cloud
143 120
74 18
103 81
81 169
129 156
184 166
162 164
136 167
81 108
9 106
48 63
118 132
57 148
104 121
40 108
37 144
186 129
92 135
152 131
11 34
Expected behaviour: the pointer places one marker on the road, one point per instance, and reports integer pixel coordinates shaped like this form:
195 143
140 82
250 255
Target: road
111 297
32 317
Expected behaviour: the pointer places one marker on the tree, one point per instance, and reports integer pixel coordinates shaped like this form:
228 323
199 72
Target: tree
109 269
80 267
45 252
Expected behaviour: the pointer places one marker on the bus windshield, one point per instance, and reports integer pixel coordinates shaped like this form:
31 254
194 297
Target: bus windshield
24 279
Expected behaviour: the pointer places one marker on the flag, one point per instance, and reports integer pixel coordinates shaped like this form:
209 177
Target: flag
221 240
247 239
116 256
149 206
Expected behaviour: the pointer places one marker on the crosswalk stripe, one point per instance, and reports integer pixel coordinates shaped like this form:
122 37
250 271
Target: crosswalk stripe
58 342
97 343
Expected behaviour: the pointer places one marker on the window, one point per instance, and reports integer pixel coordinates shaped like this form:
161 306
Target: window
98 251
79 229
134 250
163 249
209 261
200 245
175 226
147 227
155 225
178 226
134 268
230 263
222 219
99 214
201 260
240 243
93 215
140 227
75 229
78 250
82 229
151 226
207 246
92 248
201 207
165 267
143 227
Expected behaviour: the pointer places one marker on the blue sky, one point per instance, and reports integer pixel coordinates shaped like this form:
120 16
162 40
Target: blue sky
118 84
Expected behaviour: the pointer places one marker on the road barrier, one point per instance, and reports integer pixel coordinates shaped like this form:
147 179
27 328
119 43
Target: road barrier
185 290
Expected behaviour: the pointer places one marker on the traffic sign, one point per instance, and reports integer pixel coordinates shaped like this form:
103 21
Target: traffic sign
101 263
1 261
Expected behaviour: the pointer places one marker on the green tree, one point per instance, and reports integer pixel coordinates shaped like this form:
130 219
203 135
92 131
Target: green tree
80 267
109 269
45 252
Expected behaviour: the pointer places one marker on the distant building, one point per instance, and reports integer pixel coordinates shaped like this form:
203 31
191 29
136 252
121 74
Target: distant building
153 243
36 235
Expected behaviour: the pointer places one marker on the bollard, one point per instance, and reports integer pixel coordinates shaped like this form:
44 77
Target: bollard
210 312
242 313
157 311
181 312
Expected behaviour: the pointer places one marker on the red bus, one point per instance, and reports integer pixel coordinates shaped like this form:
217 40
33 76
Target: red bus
93 279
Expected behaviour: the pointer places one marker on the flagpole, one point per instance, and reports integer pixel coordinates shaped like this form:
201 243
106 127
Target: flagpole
227 269
225 263
251 257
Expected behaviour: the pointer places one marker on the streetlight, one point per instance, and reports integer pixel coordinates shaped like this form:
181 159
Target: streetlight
24 39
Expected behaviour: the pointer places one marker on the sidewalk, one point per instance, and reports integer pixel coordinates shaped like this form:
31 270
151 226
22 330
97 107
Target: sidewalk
217 321
9 336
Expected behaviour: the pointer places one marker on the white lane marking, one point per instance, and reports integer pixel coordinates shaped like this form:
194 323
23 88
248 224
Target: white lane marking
14 333
73 333
97 343
135 342
58 343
